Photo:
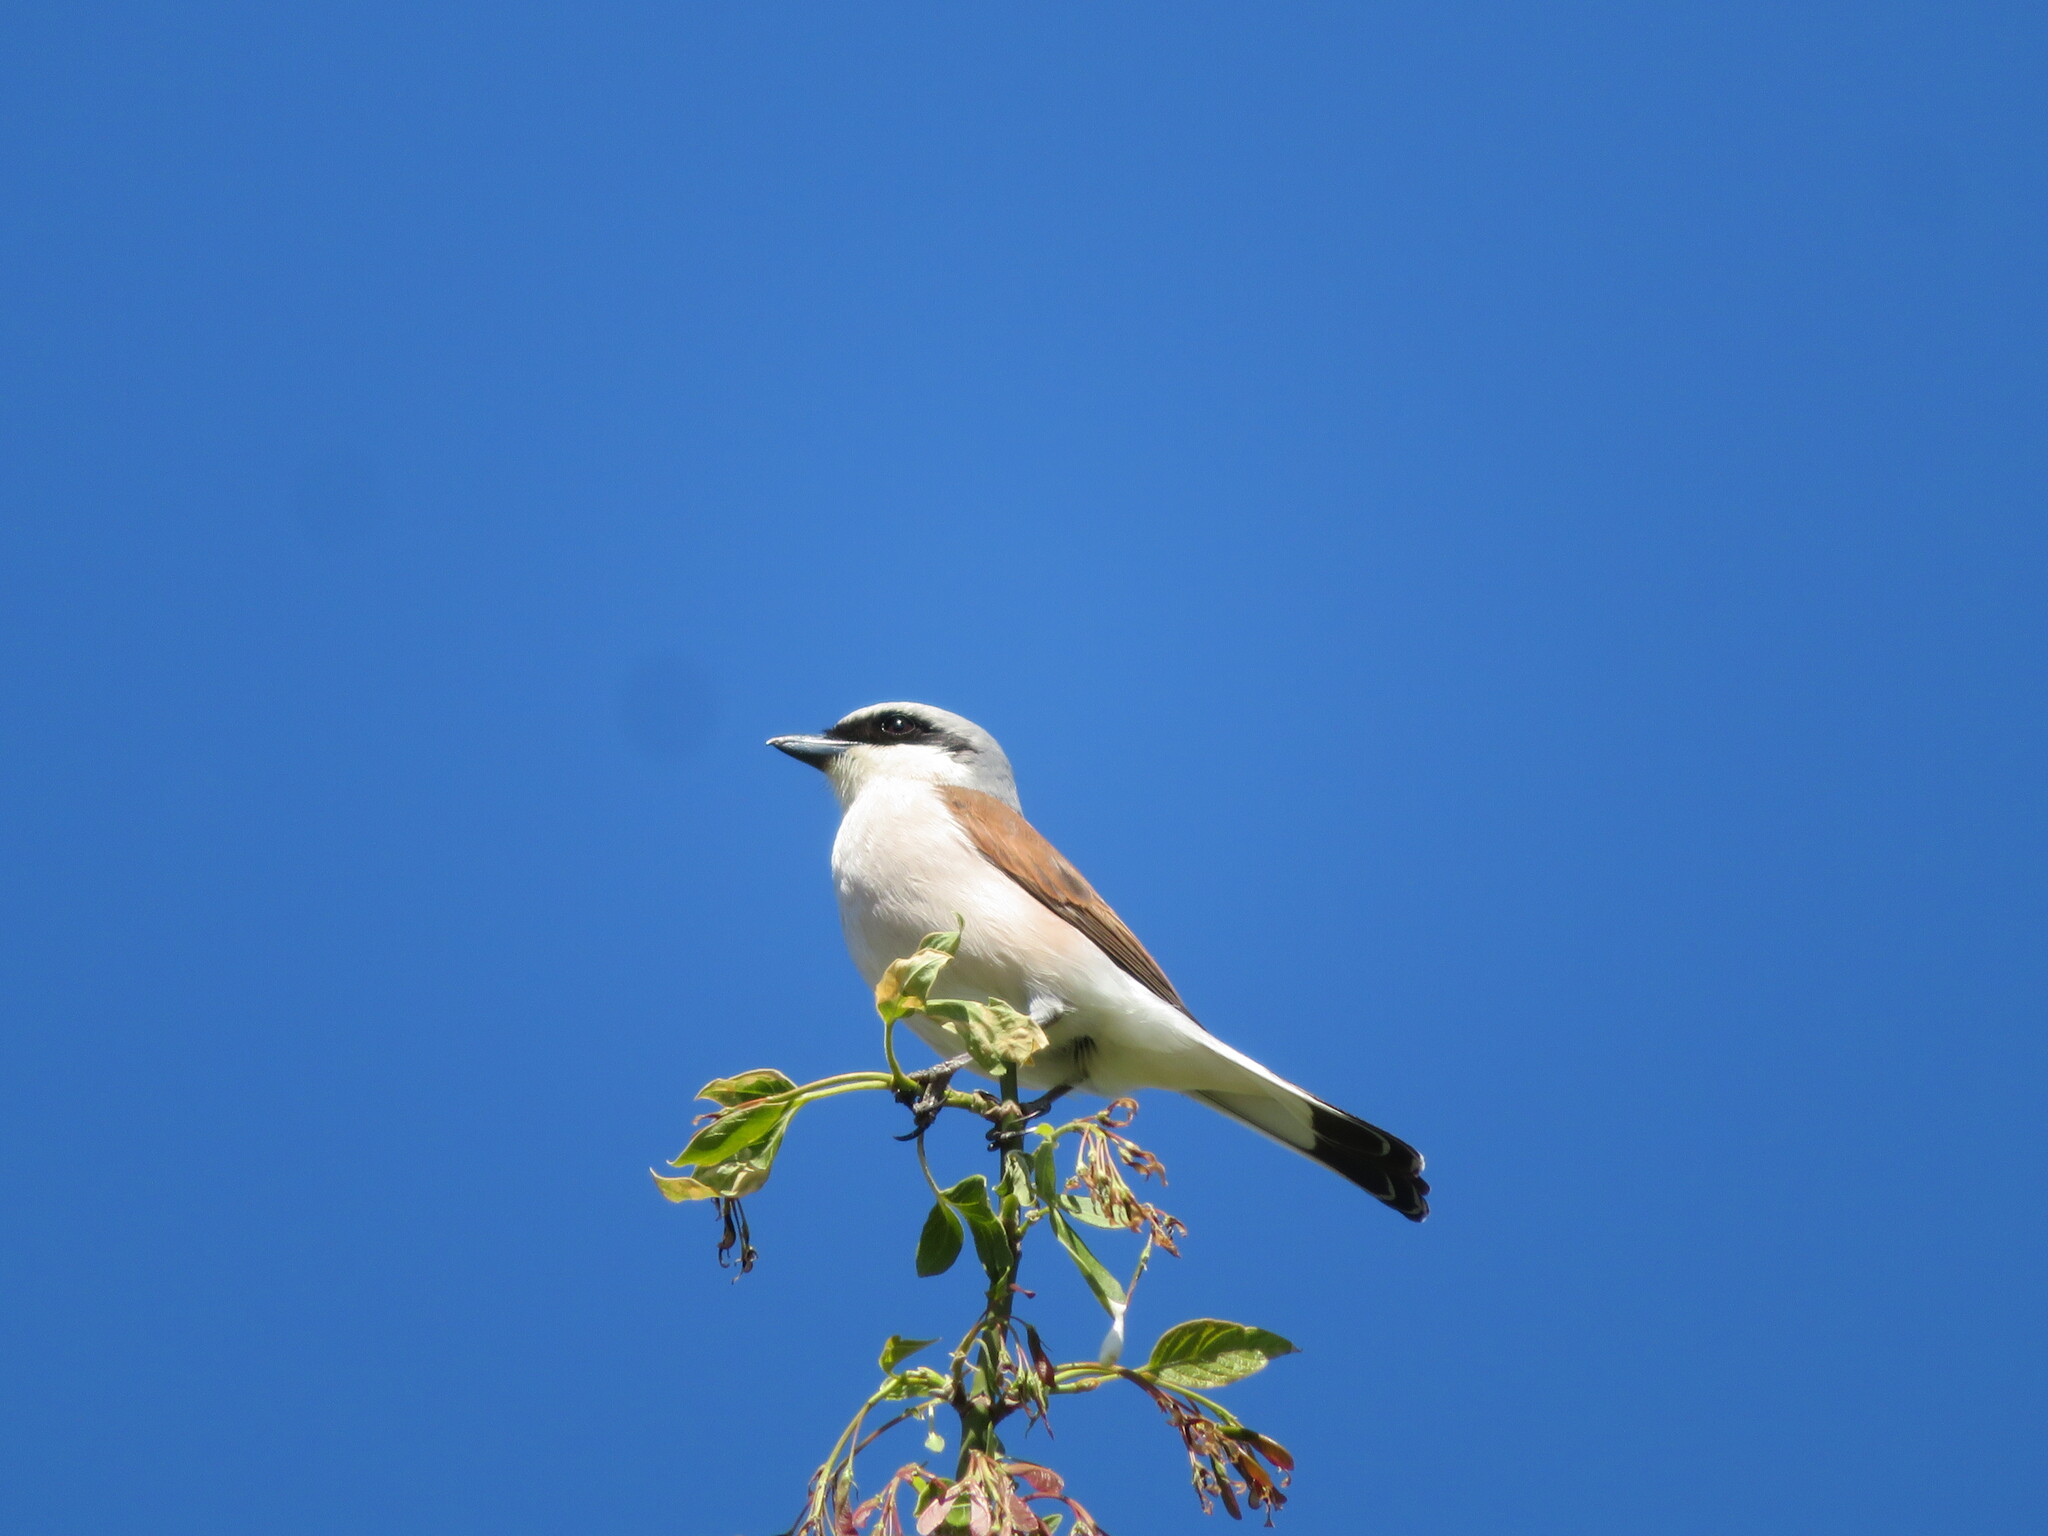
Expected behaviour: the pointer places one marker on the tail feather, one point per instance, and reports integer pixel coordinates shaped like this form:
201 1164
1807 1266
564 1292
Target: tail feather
1378 1162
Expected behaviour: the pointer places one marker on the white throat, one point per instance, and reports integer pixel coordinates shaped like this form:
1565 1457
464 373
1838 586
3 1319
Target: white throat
859 768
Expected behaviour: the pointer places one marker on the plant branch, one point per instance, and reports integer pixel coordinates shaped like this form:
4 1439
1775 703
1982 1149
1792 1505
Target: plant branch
999 1368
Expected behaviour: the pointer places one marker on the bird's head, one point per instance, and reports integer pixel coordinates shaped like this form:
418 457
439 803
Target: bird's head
905 741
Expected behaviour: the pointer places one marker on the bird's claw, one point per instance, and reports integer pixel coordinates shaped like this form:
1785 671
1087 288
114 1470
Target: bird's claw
1008 1135
930 1095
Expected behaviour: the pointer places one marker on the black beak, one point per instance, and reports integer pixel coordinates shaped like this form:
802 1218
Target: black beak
815 750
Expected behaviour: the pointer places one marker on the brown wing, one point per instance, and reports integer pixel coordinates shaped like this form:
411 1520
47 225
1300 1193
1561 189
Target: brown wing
1013 845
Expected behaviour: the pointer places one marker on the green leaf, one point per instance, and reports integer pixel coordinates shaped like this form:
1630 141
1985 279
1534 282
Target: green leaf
996 1035
1014 1038
900 1349
1108 1290
680 1190
918 1381
1208 1353
970 1198
947 943
950 1011
1013 1187
908 982
1045 1173
747 1170
757 1084
1084 1209
733 1131
938 1245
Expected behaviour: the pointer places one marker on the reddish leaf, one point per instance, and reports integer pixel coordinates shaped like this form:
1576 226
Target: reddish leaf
1272 1450
1042 1481
935 1513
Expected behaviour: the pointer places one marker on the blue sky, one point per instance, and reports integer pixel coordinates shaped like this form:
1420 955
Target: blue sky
1507 541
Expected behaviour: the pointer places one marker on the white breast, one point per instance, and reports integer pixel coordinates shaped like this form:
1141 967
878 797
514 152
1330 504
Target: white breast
903 868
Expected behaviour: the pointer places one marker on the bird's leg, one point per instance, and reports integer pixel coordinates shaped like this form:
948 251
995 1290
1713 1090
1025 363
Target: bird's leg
1010 1133
930 1097
1037 1107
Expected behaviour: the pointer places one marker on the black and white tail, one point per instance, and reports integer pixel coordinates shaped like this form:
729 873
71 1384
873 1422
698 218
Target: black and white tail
1381 1164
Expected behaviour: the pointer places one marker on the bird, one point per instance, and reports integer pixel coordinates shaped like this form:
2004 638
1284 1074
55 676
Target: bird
931 831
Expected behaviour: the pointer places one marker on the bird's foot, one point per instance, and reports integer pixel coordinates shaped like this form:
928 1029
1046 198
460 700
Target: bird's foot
929 1096
1008 1134
1037 1108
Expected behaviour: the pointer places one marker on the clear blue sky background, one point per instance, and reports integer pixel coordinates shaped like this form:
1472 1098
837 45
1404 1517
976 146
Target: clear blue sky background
1508 540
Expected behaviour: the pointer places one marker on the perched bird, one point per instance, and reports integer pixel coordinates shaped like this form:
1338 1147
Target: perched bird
930 828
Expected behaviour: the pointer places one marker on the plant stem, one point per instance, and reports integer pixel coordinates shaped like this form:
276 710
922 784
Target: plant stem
898 1080
979 1418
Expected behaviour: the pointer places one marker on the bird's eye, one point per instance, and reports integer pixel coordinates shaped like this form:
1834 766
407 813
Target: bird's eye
896 724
